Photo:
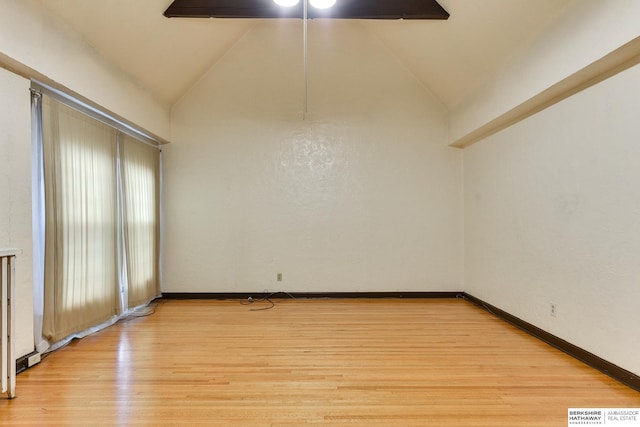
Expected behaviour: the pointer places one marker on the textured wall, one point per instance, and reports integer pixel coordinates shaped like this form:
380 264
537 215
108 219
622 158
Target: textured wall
364 195
42 42
15 196
552 215
588 30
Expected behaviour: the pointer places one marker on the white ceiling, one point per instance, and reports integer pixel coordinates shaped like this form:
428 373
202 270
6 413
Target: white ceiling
167 56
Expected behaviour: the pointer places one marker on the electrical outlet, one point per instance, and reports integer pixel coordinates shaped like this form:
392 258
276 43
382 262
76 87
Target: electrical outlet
279 277
554 310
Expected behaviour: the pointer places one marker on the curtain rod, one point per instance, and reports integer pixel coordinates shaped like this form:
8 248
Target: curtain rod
98 113
305 20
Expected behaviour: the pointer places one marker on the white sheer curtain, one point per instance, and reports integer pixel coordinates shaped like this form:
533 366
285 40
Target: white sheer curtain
140 164
81 286
38 222
96 222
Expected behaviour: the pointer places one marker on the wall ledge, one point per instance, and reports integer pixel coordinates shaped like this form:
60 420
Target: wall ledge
611 64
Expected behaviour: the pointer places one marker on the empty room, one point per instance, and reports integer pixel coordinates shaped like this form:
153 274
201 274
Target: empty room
318 212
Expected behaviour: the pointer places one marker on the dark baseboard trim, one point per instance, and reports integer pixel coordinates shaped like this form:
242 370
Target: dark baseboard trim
626 377
306 295
620 374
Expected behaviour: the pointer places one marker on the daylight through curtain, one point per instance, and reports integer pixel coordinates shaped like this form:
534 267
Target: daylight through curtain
140 177
81 286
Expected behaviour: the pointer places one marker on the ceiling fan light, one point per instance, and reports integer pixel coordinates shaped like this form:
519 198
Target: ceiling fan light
286 3
322 4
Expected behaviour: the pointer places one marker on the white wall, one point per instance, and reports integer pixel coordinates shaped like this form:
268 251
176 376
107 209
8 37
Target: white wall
43 43
15 200
586 32
33 42
552 215
364 195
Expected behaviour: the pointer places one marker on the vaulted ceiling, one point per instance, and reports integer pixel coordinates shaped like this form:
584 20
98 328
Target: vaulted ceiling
451 58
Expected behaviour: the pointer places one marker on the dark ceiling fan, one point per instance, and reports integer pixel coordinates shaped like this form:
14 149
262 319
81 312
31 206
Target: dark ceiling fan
345 9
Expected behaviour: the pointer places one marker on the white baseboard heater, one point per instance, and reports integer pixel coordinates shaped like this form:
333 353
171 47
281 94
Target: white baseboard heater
7 320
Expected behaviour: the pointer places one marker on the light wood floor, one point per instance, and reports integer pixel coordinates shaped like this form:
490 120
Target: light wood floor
311 362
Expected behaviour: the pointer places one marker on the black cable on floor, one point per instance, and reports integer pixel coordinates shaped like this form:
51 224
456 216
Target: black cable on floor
266 298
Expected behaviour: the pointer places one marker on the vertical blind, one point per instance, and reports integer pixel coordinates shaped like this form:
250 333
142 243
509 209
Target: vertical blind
101 220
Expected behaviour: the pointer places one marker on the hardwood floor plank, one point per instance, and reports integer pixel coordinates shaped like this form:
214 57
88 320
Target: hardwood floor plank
379 362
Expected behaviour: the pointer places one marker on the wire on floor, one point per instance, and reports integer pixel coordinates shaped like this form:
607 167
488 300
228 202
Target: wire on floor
144 311
267 299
